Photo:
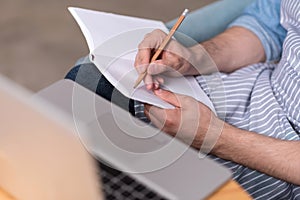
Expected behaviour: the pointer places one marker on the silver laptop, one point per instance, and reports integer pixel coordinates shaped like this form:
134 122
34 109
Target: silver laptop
137 161
40 155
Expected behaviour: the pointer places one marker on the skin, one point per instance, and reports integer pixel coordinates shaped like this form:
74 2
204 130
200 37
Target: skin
235 48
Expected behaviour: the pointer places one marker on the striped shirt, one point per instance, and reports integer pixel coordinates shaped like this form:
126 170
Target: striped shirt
263 98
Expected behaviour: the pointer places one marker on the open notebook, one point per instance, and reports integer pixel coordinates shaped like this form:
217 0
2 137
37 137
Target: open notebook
113 40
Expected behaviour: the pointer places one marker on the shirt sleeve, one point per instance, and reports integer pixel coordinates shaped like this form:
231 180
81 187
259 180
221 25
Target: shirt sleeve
262 17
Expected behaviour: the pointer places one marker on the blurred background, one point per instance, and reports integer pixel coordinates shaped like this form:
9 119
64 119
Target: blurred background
40 41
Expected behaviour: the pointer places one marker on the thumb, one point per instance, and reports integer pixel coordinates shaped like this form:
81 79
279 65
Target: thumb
169 97
156 67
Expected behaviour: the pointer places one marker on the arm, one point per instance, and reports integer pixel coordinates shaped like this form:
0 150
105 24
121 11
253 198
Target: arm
277 158
229 51
235 48
255 36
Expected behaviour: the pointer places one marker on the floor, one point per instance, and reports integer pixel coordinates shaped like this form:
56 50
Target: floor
40 41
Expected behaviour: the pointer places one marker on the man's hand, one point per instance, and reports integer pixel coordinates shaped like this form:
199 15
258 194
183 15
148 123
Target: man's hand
235 48
175 60
190 120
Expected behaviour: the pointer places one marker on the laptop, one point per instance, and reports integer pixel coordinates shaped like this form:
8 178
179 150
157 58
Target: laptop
40 154
137 161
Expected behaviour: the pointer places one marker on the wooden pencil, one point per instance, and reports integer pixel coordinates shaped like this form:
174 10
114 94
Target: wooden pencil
163 45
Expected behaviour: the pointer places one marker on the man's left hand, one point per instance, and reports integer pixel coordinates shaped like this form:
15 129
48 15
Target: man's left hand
189 121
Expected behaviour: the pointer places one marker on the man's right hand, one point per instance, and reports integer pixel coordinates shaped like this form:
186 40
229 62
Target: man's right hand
175 59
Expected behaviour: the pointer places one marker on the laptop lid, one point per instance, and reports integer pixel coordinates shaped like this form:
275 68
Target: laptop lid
40 156
157 160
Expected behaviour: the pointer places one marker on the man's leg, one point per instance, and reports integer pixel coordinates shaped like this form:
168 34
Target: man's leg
88 75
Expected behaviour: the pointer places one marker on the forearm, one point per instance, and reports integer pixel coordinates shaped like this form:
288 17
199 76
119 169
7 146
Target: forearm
235 48
278 158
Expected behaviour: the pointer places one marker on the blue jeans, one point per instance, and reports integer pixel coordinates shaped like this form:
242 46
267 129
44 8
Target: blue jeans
199 25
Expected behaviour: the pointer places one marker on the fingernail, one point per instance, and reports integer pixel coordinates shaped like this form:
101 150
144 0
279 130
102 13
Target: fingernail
149 86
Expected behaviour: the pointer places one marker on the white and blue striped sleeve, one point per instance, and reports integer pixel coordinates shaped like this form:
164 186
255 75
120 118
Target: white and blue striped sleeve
262 17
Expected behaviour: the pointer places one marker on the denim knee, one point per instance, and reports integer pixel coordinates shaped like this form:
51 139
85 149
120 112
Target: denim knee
72 73
89 76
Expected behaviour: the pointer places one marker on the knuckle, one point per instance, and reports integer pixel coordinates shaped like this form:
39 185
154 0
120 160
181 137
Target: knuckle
157 31
159 34
177 59
169 122
148 34
152 39
143 45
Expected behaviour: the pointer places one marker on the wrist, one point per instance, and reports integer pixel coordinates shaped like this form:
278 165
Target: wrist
213 139
225 143
201 62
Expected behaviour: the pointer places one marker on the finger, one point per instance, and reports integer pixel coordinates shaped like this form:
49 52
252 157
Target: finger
173 73
177 49
150 42
148 80
156 112
174 62
160 80
170 58
169 97
155 84
142 60
170 64
164 119
154 39
151 115
157 67
141 64
157 81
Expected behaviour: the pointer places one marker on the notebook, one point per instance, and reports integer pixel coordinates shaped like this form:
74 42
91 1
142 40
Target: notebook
113 40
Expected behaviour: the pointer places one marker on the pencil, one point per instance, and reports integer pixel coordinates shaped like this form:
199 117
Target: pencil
163 45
